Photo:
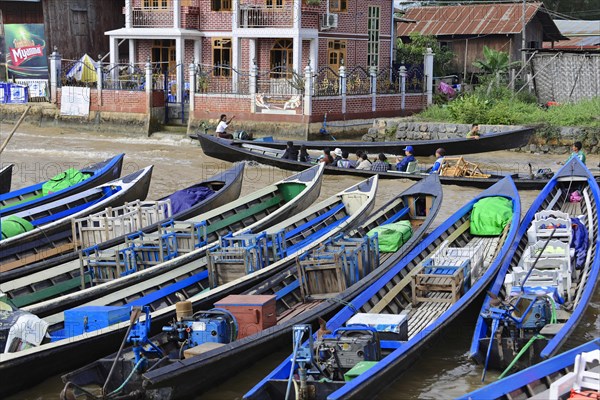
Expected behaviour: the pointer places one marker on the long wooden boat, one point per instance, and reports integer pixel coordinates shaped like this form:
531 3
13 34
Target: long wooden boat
256 211
455 146
178 378
52 222
32 196
6 178
535 381
385 328
225 186
300 232
232 151
542 291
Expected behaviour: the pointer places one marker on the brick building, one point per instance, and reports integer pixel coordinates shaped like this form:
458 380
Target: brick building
278 36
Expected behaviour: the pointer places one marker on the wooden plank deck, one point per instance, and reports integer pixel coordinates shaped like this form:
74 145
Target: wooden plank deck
424 314
298 309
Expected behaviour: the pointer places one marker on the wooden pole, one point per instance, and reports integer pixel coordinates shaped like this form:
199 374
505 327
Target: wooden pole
14 129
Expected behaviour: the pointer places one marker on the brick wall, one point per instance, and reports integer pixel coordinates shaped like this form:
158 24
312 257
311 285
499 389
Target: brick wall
133 102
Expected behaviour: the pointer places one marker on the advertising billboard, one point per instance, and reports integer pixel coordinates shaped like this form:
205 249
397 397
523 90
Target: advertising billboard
25 51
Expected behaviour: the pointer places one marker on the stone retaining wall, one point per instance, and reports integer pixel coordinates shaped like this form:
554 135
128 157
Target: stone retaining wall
547 139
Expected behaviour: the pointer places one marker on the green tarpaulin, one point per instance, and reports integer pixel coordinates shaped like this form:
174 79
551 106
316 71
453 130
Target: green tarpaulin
490 215
13 226
63 180
392 236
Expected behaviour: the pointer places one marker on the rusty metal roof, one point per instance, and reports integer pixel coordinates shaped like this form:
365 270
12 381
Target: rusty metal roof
476 19
576 42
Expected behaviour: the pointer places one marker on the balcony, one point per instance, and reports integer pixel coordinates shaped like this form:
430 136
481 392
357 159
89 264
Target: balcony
261 16
152 17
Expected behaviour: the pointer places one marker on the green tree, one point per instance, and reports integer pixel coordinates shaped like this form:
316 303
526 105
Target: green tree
413 52
495 64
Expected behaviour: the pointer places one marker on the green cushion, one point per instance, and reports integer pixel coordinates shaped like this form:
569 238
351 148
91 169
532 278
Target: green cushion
63 180
13 226
392 236
490 215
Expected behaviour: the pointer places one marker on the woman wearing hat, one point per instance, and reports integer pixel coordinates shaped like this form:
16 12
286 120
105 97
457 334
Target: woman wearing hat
402 164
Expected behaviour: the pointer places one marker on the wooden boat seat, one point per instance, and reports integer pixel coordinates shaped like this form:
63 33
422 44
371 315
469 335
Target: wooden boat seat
458 167
407 279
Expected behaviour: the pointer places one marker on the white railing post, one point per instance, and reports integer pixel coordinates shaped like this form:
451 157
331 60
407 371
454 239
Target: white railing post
149 86
252 88
235 14
54 74
429 75
403 87
176 14
308 90
128 11
99 78
343 88
373 75
192 87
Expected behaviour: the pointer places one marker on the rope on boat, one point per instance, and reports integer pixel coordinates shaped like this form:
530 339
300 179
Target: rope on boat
523 350
126 381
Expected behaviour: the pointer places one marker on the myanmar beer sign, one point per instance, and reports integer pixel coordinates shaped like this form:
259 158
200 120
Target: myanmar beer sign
26 51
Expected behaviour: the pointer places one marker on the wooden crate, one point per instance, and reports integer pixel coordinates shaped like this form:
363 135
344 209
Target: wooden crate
458 167
432 279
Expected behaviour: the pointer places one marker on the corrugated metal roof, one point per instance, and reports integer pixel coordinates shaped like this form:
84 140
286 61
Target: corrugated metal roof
579 42
478 19
578 28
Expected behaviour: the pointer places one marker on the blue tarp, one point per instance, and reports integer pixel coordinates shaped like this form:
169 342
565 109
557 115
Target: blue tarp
183 199
579 242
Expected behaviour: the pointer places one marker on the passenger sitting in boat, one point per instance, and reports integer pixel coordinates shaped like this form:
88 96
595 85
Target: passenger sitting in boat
381 164
439 153
304 156
577 152
344 162
474 132
221 130
326 157
363 161
337 155
291 153
402 163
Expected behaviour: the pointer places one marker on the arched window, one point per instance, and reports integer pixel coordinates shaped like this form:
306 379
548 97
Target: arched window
282 58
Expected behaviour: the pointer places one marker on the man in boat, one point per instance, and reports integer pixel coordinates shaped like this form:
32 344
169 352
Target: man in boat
221 130
381 164
474 132
363 160
291 153
344 162
577 152
402 163
437 166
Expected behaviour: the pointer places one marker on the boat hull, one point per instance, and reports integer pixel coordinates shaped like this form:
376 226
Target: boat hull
230 180
6 178
457 146
224 149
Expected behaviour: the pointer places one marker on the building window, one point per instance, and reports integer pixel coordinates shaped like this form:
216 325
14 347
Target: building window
157 4
336 53
338 6
163 53
222 57
282 58
79 20
220 5
373 32
275 3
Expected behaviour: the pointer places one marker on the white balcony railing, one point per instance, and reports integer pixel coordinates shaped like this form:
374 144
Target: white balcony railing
261 16
152 17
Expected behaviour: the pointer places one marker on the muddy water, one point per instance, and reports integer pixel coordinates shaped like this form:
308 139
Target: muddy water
442 372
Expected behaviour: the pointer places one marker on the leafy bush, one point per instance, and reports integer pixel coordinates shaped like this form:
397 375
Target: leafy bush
436 113
469 109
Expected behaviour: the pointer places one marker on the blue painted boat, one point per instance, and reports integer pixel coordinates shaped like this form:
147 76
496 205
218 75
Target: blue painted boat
365 346
544 285
52 222
32 196
183 378
534 381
